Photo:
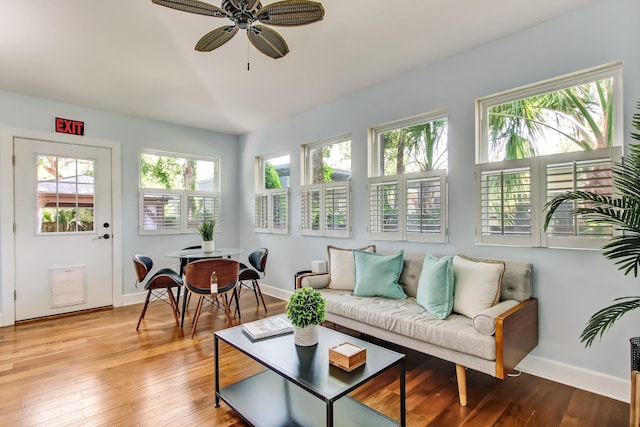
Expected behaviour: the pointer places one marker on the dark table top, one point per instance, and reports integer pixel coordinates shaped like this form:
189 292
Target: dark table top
309 367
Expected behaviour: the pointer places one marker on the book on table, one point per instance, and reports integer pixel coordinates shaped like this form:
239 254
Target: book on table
268 327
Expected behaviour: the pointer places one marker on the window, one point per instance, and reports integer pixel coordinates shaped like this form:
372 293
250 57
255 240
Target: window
178 192
272 194
66 195
407 179
326 188
542 140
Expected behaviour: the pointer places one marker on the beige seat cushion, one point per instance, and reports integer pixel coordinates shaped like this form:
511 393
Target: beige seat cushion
406 317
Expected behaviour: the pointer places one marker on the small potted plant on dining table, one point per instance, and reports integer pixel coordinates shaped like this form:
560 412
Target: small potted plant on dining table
206 232
306 309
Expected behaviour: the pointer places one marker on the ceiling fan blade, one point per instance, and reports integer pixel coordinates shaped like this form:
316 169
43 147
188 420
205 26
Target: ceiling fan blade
249 5
216 38
268 41
291 13
193 6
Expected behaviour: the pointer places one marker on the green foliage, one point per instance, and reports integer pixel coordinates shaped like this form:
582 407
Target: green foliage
162 172
206 230
581 115
621 211
271 178
306 307
415 148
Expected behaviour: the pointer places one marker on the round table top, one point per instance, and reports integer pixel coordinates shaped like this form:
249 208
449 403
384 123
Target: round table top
199 253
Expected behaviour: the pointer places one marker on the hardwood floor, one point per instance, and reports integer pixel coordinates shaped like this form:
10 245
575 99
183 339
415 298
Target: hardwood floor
94 369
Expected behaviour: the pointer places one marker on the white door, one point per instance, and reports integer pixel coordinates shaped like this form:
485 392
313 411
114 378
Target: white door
63 245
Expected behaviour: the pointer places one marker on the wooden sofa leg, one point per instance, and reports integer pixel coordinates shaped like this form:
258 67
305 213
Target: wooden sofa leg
461 375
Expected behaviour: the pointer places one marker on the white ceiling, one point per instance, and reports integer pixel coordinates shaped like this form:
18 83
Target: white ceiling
138 58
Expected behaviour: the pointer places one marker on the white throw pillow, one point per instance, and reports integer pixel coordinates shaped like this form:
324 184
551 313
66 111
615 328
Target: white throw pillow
342 267
477 284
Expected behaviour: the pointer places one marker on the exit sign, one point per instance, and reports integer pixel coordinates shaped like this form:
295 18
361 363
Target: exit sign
73 127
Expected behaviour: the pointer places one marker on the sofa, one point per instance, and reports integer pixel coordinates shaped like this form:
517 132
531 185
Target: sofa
489 333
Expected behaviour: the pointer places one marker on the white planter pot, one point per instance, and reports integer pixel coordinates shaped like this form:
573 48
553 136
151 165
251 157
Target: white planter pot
306 336
208 245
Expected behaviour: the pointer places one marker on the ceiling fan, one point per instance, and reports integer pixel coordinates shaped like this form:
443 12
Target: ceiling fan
244 13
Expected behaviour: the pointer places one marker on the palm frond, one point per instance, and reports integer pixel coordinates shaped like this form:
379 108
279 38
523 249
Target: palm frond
625 252
602 321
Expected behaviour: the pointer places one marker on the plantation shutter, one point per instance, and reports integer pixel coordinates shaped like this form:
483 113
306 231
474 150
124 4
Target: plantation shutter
337 208
161 210
279 211
310 210
425 206
384 203
201 207
261 212
585 171
507 201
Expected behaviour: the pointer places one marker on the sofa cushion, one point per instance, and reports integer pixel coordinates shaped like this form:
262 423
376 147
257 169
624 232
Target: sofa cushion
435 288
341 267
377 275
406 317
477 284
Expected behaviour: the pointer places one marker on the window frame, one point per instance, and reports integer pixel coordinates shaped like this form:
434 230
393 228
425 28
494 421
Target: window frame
377 177
323 190
613 69
265 218
538 165
184 195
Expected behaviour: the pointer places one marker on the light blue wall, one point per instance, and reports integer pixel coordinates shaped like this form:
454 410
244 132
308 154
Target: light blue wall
134 134
570 284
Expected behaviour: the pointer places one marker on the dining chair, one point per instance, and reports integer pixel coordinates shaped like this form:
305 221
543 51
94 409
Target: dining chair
157 286
249 277
198 281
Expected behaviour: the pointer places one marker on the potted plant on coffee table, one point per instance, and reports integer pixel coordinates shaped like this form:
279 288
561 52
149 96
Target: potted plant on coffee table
306 309
206 232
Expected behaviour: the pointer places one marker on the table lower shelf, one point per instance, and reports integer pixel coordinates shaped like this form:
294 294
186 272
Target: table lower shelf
268 400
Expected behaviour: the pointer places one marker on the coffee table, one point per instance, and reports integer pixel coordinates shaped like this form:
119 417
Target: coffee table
300 387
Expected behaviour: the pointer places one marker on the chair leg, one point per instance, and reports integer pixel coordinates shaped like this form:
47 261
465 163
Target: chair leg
174 304
227 309
144 308
461 375
184 305
257 291
196 315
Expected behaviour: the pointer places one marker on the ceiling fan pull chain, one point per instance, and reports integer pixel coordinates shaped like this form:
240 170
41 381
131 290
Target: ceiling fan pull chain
248 56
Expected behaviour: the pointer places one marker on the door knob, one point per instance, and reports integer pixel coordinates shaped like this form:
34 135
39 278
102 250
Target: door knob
105 236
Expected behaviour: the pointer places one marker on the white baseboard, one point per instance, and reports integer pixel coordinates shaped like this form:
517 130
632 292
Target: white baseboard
275 292
135 298
594 382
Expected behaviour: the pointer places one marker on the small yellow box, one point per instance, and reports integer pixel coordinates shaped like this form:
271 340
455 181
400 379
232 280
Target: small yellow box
347 356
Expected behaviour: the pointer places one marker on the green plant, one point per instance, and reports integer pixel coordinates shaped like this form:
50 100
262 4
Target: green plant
621 211
306 307
206 230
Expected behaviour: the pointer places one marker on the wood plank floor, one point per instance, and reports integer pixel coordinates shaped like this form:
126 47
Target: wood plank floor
94 369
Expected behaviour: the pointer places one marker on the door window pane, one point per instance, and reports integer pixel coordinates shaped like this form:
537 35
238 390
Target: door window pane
66 194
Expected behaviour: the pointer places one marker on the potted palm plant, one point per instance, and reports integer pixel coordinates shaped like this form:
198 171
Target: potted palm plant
306 309
206 232
622 211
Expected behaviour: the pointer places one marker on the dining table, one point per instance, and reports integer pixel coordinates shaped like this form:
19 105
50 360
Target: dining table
192 254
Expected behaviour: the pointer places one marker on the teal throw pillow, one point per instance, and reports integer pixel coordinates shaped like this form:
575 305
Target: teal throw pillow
435 287
377 275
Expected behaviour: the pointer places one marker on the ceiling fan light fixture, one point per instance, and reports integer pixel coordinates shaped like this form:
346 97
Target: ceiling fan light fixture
244 13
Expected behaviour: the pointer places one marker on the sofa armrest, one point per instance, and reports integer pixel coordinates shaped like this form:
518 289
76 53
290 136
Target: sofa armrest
485 321
516 335
313 280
